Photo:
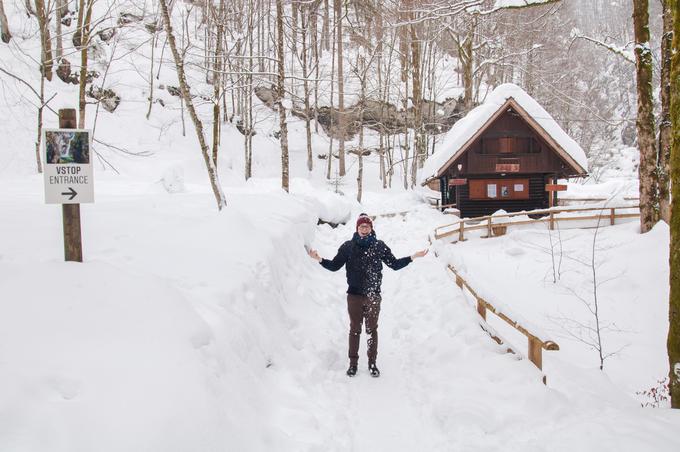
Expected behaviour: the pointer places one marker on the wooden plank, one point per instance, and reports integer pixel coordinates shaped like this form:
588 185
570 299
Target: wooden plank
535 352
455 182
555 187
481 309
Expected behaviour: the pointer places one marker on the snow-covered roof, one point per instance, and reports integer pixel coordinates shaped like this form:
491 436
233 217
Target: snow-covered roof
459 137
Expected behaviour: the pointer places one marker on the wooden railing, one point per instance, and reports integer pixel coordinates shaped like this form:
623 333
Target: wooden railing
499 228
536 345
563 201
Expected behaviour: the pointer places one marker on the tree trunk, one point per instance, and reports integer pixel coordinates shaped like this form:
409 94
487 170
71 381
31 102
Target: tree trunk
649 207
45 40
60 12
40 125
361 71
308 126
418 136
154 42
4 26
217 81
329 165
468 67
341 89
379 29
665 132
248 120
84 42
325 29
186 96
283 138
673 343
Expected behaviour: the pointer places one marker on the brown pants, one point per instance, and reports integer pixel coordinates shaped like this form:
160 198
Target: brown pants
362 307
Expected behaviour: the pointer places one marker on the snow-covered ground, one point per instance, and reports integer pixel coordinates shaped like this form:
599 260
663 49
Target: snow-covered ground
186 329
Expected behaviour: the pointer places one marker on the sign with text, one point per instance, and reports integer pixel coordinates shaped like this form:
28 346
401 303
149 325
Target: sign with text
68 166
454 182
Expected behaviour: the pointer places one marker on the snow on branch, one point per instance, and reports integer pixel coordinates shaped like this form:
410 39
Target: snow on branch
515 4
623 52
446 8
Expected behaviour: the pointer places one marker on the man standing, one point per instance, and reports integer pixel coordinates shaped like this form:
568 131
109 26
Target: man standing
363 257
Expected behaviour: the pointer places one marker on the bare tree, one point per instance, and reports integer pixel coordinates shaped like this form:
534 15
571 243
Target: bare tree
419 151
283 138
665 131
45 39
82 41
592 332
186 96
649 205
60 11
673 343
307 11
217 80
341 90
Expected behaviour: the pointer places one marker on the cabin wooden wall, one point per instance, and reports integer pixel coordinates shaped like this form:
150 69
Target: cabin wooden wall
538 198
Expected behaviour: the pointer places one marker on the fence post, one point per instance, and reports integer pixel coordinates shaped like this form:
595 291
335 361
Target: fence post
461 231
612 216
481 309
535 352
552 221
488 227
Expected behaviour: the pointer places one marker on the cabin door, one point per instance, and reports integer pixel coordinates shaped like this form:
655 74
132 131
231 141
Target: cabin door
452 195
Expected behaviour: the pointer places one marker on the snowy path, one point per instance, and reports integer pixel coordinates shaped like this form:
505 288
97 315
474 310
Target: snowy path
435 360
444 385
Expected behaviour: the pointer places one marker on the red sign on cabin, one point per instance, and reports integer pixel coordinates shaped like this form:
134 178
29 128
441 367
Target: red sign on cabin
457 182
555 187
507 167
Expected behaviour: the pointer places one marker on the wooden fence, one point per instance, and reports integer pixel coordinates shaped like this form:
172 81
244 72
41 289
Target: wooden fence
535 346
494 227
565 201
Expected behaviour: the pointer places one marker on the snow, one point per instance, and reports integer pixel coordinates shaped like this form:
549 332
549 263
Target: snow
464 129
189 329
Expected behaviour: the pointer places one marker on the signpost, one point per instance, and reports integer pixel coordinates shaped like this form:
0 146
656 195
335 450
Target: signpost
553 189
68 177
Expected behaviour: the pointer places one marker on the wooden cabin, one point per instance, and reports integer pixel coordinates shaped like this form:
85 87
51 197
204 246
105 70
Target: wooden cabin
508 154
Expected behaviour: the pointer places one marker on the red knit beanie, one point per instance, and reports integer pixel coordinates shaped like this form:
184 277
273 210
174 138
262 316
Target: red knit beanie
364 219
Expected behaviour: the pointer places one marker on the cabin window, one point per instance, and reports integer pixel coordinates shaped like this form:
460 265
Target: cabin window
487 189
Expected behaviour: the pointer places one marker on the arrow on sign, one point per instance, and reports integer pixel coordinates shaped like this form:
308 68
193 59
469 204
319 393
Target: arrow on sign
72 193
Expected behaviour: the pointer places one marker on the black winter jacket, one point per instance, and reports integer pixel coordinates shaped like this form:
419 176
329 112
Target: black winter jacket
364 265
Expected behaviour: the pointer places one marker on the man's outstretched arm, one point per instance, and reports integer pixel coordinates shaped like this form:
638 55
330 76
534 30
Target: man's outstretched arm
397 264
333 265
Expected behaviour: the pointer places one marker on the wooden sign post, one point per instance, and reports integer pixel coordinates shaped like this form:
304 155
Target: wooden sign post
553 188
73 246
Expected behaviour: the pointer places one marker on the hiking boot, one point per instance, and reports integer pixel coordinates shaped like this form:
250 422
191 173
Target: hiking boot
352 371
373 370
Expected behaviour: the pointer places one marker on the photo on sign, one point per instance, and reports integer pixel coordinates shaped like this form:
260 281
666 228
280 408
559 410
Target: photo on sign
67 146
